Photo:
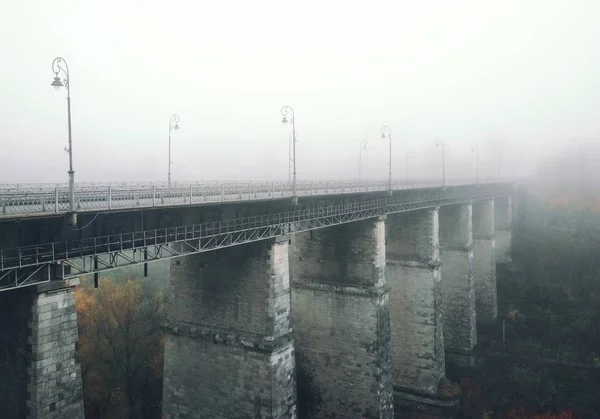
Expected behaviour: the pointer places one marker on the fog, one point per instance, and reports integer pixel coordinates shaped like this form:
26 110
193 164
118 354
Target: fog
517 79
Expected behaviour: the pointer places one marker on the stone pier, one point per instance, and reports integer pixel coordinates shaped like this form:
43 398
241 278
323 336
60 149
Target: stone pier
458 284
340 316
413 274
229 351
39 360
503 228
484 262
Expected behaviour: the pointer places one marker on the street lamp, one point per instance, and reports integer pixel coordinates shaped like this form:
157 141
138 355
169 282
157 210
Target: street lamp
288 116
173 125
59 64
476 151
387 132
440 143
363 146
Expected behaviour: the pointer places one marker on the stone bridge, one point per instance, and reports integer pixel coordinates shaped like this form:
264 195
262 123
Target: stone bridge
358 299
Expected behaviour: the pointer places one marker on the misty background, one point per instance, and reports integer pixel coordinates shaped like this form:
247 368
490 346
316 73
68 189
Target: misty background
518 79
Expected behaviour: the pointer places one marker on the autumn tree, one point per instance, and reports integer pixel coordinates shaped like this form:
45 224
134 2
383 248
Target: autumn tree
121 349
522 413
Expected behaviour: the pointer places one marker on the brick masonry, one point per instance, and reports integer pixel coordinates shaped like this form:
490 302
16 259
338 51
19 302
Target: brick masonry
458 284
503 226
340 317
484 261
229 350
41 375
413 274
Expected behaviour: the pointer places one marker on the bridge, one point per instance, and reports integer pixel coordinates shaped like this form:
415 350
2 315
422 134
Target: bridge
340 291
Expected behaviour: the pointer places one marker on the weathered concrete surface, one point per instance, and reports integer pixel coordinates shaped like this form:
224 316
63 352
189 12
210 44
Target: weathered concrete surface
458 284
503 228
229 350
39 362
340 316
484 259
413 274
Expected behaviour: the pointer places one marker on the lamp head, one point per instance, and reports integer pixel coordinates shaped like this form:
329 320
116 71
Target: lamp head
57 83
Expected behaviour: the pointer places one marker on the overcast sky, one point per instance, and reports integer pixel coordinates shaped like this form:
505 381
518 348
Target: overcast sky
514 76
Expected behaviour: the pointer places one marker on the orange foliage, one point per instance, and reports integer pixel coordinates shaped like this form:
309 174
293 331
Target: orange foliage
523 414
120 345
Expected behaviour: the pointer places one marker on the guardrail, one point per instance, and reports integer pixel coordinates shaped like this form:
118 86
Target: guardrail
19 187
48 187
39 200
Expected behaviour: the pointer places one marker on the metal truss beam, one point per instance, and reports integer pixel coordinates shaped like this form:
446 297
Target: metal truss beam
14 278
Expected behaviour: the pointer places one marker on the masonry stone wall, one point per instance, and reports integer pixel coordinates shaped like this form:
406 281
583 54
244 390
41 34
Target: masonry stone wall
54 385
413 236
458 284
416 322
418 362
229 350
484 261
340 317
349 255
16 309
206 379
503 226
243 288
343 351
39 361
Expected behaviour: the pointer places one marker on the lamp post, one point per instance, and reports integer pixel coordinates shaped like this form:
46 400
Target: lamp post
290 141
363 146
440 143
476 151
173 125
59 64
386 132
288 116
291 138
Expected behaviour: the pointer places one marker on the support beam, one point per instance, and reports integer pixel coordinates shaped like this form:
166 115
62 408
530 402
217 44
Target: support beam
503 228
340 317
41 375
458 284
413 273
484 258
229 350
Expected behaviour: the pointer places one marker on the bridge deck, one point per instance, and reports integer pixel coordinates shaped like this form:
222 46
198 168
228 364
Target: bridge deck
35 201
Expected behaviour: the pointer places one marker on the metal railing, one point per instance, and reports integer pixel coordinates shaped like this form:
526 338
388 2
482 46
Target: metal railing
44 199
21 266
180 184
